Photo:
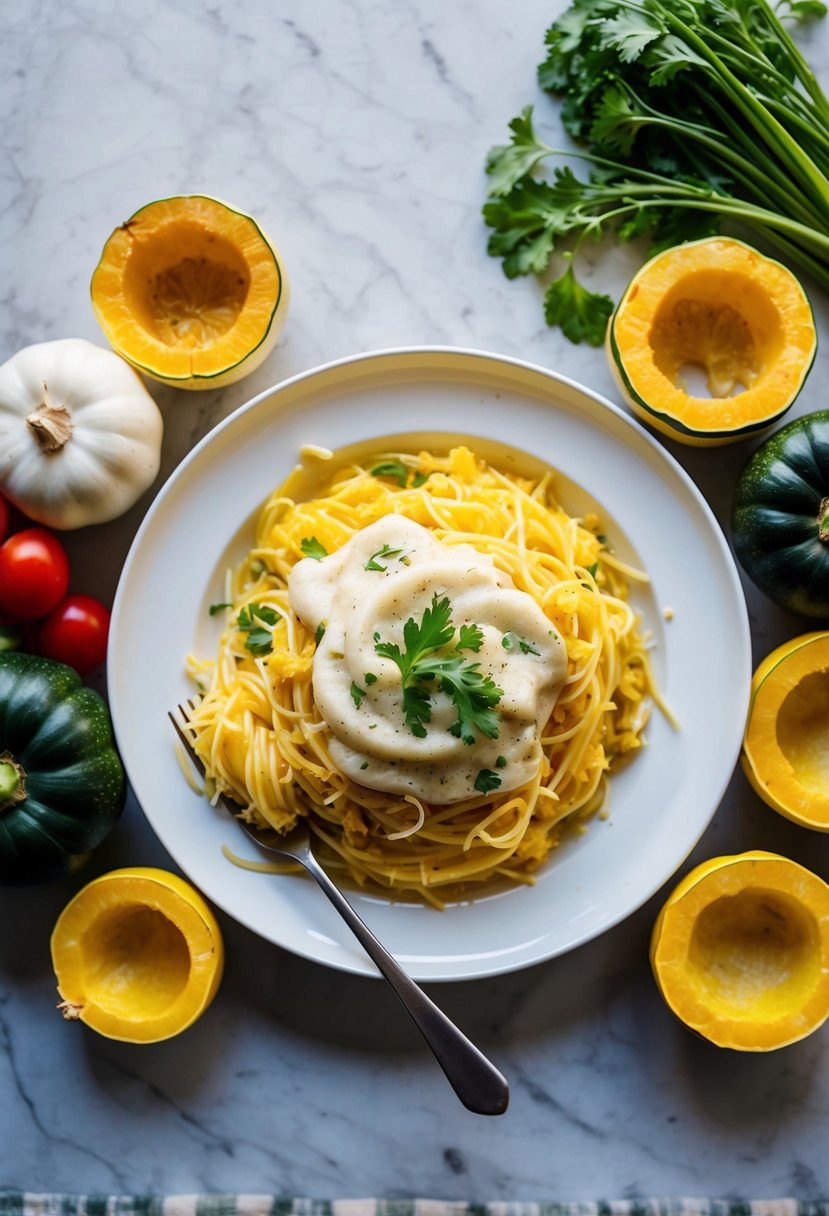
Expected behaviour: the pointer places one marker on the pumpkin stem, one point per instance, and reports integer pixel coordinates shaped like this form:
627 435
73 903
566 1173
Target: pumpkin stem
50 424
12 782
71 1012
823 519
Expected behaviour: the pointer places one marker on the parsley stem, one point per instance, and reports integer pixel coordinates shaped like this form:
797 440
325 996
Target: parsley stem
748 173
802 70
770 130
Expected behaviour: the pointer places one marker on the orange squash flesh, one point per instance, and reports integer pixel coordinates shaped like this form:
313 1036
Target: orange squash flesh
138 955
739 319
190 292
785 751
740 951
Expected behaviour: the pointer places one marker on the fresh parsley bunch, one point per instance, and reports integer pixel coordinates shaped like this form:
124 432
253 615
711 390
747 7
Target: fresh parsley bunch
690 113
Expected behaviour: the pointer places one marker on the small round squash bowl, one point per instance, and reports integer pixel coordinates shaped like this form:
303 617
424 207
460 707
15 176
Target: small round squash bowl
138 955
784 748
191 292
719 307
740 951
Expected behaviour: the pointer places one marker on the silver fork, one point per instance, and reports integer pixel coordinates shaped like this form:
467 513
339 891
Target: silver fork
477 1082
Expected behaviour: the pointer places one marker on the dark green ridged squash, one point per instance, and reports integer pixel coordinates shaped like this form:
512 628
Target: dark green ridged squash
62 785
780 518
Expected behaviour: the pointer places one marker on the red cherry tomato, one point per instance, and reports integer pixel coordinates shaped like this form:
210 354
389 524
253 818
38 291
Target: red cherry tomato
75 632
34 573
5 518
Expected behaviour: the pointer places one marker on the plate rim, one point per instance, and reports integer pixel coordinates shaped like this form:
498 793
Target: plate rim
494 359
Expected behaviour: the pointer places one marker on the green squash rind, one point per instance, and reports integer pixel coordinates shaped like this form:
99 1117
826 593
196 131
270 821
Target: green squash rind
647 411
61 734
774 519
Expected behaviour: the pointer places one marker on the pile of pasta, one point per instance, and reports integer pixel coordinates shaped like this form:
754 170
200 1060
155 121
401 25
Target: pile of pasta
262 741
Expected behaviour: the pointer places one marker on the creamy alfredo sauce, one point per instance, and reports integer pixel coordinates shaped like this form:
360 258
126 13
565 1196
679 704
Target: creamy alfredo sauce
360 694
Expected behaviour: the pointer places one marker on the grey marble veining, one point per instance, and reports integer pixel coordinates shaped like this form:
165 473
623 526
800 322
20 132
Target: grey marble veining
356 132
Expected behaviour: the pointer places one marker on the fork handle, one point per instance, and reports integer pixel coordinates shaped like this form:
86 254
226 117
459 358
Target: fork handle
476 1081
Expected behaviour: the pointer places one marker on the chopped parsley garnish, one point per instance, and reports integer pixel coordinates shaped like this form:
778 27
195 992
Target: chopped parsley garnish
397 471
592 569
470 638
487 781
253 620
385 552
511 640
311 547
215 609
357 694
364 764
320 633
421 665
369 678
501 762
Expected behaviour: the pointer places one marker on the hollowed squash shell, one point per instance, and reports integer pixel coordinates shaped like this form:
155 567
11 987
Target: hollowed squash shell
138 955
719 310
191 292
785 751
740 951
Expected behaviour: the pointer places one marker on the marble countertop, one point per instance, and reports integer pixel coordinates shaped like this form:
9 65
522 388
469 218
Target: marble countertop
356 132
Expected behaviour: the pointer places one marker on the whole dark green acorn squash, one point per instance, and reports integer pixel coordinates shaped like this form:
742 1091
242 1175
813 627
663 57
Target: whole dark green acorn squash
62 785
780 520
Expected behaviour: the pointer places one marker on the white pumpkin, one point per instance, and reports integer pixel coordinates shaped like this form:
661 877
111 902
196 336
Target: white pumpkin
80 436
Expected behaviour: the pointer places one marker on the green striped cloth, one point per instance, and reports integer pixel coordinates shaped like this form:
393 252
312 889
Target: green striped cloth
19 1203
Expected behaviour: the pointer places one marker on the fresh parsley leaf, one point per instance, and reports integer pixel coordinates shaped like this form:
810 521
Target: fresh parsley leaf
369 678
357 694
487 781
474 694
470 637
397 471
215 609
311 547
528 220
394 469
253 620
385 552
320 633
507 164
417 709
422 667
629 33
501 762
592 569
583 315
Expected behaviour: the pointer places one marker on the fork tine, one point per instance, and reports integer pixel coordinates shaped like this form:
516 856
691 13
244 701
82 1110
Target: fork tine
229 803
191 751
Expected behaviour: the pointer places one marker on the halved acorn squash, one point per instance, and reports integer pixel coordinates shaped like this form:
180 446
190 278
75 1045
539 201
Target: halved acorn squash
191 292
785 751
718 308
138 955
740 951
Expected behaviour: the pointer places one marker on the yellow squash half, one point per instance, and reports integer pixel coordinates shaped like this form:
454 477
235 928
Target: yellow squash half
740 951
138 955
786 744
717 310
191 292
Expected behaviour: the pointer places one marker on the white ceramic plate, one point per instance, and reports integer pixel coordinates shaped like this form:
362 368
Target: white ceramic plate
659 805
